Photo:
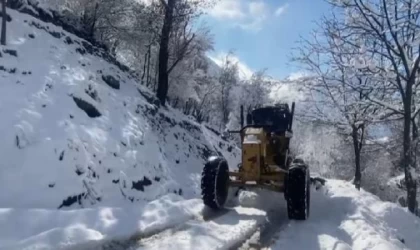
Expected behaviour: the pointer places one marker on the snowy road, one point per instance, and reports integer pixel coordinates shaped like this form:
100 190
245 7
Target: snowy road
248 217
266 233
341 218
254 222
222 232
232 228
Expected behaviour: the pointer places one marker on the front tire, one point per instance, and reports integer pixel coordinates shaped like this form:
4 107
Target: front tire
215 183
298 191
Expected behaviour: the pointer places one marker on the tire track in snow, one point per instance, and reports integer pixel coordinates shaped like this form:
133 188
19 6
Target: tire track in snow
265 235
242 225
222 231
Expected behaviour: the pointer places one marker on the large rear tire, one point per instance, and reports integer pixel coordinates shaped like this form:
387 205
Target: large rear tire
298 193
215 183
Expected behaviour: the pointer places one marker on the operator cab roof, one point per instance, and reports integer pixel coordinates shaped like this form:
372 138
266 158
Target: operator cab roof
277 116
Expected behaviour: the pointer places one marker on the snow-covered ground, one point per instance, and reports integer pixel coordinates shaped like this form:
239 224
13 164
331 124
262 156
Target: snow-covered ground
341 218
123 150
344 218
57 229
79 132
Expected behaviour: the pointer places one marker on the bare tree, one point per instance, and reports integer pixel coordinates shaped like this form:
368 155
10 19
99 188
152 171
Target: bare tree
394 28
338 85
163 82
3 23
176 34
227 80
255 90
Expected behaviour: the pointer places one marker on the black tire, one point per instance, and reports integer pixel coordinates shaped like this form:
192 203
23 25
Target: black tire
215 183
298 193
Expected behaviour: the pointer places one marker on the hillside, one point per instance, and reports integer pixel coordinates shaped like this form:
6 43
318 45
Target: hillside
77 130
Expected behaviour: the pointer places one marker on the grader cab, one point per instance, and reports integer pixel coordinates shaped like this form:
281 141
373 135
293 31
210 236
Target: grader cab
266 163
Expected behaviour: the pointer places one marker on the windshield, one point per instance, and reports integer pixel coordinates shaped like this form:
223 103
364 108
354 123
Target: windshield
279 118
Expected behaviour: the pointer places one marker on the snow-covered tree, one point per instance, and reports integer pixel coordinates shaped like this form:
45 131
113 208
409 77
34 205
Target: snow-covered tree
176 31
190 73
228 78
393 29
338 85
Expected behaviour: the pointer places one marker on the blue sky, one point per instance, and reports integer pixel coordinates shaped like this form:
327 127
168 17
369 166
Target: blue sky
262 33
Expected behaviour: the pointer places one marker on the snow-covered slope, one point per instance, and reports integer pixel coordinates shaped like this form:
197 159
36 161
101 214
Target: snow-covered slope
77 131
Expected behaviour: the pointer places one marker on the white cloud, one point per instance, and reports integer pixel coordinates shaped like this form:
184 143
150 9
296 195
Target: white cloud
280 10
227 9
244 71
258 13
243 13
297 75
257 8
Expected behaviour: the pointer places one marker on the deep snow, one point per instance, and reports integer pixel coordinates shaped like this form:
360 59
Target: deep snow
132 167
341 218
55 155
344 218
57 229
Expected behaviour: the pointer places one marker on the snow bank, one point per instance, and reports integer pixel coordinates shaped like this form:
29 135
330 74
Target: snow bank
343 218
55 229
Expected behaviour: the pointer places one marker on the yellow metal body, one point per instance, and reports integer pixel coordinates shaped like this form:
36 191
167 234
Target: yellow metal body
259 167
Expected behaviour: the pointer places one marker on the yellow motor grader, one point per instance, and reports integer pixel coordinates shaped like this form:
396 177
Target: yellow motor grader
266 162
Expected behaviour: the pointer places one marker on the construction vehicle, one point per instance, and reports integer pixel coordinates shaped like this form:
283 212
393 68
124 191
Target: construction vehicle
266 162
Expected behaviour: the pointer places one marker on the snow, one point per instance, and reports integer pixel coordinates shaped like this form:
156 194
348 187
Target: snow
227 229
54 152
344 218
220 233
251 139
54 229
244 72
134 170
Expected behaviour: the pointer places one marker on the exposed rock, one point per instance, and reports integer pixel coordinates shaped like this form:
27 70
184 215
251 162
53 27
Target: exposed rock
61 156
11 71
81 51
111 81
139 185
92 93
88 47
149 97
71 200
55 34
11 52
90 110
68 40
